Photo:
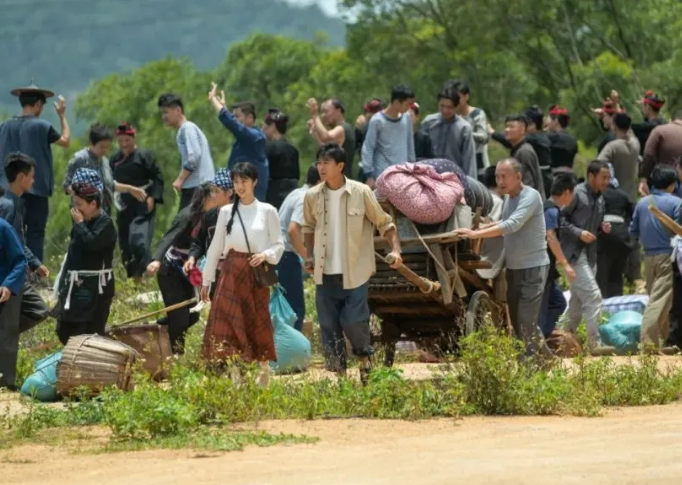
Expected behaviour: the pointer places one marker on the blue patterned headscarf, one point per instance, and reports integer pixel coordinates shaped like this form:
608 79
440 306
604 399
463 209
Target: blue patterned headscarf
88 176
222 179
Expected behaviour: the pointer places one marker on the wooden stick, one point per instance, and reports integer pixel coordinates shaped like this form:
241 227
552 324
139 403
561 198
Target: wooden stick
666 220
157 312
444 238
423 284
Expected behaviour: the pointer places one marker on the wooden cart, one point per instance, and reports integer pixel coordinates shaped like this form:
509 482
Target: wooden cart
437 296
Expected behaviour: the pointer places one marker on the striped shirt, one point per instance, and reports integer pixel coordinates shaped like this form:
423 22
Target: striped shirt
388 142
196 155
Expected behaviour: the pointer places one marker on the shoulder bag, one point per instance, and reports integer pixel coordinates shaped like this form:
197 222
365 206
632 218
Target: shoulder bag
264 274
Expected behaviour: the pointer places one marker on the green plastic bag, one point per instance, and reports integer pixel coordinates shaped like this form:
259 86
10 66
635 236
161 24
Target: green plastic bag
42 384
293 348
623 332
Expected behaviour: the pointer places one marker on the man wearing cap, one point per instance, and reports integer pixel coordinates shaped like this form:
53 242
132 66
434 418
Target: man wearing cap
564 146
663 147
651 110
29 134
135 219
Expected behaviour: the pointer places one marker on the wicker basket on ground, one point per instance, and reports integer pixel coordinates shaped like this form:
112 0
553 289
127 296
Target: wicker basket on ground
151 341
95 362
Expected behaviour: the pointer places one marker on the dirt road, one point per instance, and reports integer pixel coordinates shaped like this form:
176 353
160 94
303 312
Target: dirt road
627 446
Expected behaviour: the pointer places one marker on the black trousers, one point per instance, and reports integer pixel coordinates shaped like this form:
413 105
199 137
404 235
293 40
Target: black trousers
20 313
176 288
675 337
135 231
96 325
186 197
611 267
633 269
36 210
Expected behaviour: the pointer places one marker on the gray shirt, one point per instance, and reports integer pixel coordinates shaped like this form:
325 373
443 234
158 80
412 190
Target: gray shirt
85 159
584 213
290 211
33 137
523 227
623 154
196 155
532 176
389 141
452 140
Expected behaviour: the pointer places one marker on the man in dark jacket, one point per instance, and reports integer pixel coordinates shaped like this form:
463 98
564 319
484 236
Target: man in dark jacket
515 133
581 221
564 146
537 139
613 248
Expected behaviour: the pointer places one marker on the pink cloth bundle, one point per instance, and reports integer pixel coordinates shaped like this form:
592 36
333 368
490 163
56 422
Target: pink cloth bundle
422 194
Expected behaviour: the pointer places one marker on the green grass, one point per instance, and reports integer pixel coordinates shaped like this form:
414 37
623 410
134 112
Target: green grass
198 409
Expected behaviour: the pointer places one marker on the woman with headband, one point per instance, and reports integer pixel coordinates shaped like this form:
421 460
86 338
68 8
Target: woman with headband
86 284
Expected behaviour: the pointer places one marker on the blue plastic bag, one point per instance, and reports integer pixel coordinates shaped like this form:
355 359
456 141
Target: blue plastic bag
292 347
623 332
42 384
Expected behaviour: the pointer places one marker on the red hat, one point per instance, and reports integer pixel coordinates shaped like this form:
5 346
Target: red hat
652 99
556 110
608 107
373 106
125 128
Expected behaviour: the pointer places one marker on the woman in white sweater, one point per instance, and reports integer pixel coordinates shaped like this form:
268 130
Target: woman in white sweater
247 235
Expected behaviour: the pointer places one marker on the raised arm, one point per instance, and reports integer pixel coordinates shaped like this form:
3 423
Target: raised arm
64 139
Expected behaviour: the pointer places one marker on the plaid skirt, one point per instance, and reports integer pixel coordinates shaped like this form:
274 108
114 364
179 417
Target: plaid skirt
239 323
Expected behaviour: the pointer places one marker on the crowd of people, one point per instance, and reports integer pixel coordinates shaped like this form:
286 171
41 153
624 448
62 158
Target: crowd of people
242 228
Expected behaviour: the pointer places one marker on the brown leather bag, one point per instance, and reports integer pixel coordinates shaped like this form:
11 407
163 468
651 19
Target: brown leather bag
264 274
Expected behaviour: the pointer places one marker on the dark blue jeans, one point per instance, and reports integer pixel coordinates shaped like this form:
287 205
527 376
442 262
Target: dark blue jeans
342 312
553 306
290 275
36 211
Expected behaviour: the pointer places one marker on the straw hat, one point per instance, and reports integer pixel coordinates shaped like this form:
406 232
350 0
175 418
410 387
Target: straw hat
31 89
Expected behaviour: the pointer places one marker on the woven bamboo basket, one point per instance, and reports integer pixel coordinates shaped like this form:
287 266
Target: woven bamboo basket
151 341
95 362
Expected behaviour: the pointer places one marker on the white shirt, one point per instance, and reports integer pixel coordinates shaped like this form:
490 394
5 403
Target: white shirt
262 226
333 255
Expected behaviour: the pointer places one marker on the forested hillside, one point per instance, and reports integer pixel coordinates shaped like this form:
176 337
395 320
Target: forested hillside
514 53
65 44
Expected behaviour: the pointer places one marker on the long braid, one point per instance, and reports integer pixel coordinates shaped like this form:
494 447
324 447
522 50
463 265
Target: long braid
234 212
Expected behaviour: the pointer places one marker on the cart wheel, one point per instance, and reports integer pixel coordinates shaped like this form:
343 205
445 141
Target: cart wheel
481 309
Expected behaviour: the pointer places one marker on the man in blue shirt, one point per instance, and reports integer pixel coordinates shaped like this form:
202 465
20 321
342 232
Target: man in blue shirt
29 134
12 274
20 171
655 239
249 144
289 267
553 301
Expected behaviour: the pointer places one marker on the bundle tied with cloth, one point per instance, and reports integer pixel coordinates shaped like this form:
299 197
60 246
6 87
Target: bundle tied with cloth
418 191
